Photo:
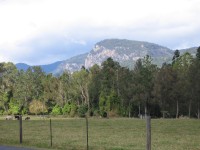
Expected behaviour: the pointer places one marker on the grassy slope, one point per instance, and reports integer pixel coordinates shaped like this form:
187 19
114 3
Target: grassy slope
104 134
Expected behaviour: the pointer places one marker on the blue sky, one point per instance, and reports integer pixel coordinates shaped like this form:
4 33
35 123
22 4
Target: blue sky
45 31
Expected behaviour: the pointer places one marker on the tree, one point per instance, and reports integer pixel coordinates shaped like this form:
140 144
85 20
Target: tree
8 72
22 90
64 87
94 86
176 56
125 91
181 66
81 81
147 81
164 81
37 76
110 83
137 84
109 76
198 53
50 91
194 78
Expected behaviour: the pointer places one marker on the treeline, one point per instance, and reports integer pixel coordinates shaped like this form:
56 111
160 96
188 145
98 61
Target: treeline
107 90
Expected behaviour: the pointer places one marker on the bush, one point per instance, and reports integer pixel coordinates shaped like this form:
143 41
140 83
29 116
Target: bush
104 105
73 109
56 110
96 113
104 114
14 108
66 109
1 112
24 111
36 107
112 113
82 110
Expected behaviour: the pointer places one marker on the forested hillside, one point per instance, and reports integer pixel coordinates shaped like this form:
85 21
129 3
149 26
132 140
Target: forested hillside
108 90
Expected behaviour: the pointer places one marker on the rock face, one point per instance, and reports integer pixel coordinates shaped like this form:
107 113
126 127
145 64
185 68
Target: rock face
126 52
98 55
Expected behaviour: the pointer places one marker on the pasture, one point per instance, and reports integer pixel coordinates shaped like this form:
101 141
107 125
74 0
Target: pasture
104 134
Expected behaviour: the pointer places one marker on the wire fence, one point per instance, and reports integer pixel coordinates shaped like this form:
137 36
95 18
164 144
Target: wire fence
100 134
78 133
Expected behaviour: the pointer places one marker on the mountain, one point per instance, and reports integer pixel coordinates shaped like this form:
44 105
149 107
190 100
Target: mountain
126 52
51 67
72 64
191 50
46 68
22 66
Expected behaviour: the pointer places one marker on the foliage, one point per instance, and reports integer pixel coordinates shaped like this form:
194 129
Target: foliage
14 108
82 110
56 110
104 105
37 107
107 90
73 109
66 109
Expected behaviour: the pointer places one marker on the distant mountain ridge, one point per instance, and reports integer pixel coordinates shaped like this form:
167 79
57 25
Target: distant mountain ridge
126 52
22 66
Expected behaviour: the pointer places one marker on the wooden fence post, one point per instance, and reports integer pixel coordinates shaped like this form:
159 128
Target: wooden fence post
148 128
20 129
87 131
50 133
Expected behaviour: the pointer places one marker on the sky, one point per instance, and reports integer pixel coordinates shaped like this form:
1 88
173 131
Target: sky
45 31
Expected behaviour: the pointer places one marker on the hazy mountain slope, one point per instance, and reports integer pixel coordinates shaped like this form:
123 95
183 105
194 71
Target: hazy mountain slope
192 50
72 64
50 68
22 66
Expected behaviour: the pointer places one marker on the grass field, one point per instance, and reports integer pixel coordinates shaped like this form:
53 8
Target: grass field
104 134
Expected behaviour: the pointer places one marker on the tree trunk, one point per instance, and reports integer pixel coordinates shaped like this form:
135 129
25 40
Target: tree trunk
145 110
88 100
177 109
189 113
5 108
129 111
139 114
198 111
163 114
117 83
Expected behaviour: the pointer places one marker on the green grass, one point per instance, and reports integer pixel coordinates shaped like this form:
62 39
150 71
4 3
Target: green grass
104 134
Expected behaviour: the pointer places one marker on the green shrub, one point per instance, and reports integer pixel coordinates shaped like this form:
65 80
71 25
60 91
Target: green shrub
66 109
13 107
56 110
1 112
73 109
104 104
82 110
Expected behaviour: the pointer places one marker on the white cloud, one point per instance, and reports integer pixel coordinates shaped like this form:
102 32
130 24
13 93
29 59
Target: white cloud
77 21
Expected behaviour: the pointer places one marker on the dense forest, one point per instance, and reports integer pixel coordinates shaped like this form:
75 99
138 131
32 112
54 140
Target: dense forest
109 90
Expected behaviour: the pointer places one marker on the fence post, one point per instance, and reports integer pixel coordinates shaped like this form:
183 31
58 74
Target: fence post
20 129
148 128
87 131
50 133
